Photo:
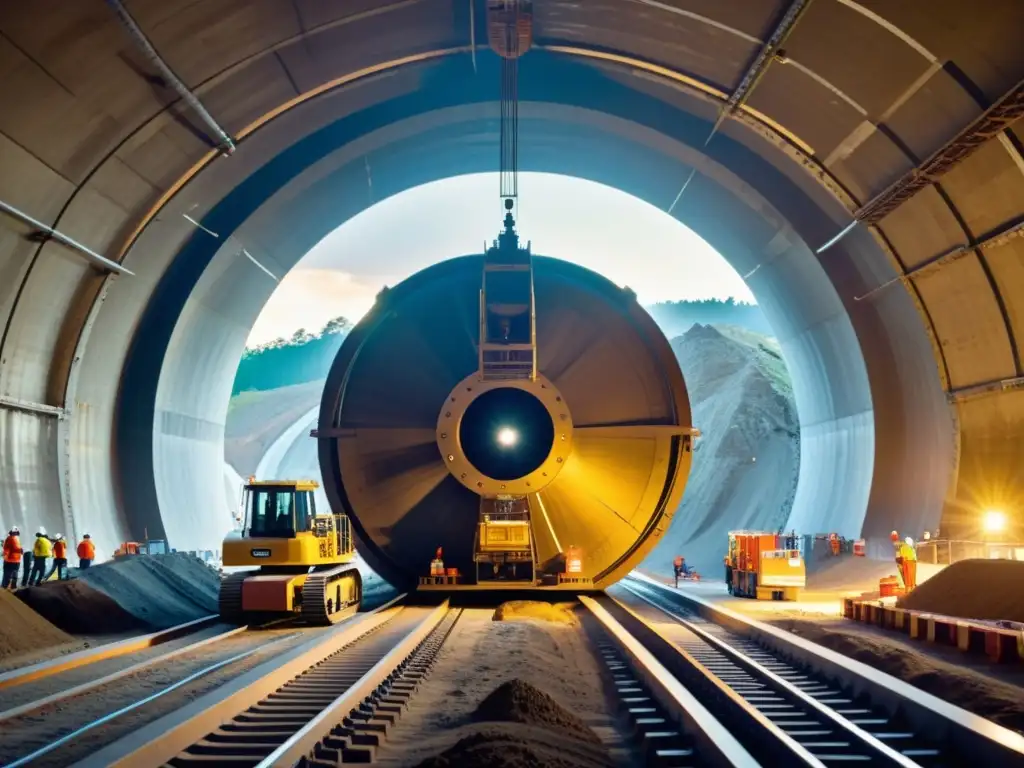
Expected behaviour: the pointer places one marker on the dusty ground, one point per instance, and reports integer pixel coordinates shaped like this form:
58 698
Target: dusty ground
995 691
480 655
25 734
79 609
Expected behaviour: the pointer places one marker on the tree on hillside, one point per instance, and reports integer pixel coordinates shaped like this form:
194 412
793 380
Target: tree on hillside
336 325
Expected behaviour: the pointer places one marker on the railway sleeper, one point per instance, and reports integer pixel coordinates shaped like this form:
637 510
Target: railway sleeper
364 728
653 732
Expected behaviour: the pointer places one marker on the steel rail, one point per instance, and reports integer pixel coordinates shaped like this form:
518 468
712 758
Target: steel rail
89 685
108 651
310 736
70 737
829 734
161 740
960 731
714 743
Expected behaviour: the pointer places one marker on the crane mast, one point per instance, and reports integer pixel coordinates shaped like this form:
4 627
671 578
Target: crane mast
508 336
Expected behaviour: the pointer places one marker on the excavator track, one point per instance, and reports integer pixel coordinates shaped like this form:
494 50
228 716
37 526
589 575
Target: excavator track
323 590
230 598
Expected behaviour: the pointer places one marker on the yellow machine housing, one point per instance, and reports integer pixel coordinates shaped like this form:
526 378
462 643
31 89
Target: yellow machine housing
304 558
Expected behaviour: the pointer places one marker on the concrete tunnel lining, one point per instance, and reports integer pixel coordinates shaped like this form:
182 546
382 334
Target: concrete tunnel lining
89 158
816 335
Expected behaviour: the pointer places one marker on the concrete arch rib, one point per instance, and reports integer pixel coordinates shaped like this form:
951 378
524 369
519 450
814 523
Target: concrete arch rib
820 343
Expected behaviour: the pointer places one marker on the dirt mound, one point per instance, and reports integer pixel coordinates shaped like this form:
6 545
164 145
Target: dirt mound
558 613
76 607
519 702
158 590
973 589
517 748
22 630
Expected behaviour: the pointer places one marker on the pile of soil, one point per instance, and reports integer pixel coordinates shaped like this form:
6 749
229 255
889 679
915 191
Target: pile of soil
519 702
22 630
77 608
158 590
973 589
558 613
517 748
985 696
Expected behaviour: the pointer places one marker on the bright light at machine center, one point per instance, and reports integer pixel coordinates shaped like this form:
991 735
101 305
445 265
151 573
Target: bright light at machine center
507 437
993 521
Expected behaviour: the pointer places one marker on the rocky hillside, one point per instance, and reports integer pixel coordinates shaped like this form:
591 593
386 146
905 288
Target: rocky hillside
745 465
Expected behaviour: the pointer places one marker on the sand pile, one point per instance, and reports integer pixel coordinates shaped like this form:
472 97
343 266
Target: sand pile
973 589
22 630
517 747
534 730
158 590
558 613
519 702
79 609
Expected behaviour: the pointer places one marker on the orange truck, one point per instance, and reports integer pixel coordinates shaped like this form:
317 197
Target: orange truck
762 568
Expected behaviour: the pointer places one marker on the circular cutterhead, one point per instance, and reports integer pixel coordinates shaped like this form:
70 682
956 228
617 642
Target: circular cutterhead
504 437
404 394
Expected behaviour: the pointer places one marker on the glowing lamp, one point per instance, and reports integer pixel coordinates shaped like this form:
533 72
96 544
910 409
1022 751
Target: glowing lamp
993 521
507 437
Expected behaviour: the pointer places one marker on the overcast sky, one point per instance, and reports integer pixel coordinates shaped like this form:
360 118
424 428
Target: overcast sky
621 237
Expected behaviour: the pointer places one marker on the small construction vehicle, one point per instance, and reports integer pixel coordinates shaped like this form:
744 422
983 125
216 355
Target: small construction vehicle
762 568
135 548
303 557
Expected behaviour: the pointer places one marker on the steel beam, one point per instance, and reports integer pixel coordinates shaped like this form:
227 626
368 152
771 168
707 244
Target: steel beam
995 239
26 406
224 141
96 259
985 388
991 123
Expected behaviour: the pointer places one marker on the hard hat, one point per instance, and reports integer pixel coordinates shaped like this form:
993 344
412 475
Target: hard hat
909 541
41 531
59 536
15 530
85 536
894 536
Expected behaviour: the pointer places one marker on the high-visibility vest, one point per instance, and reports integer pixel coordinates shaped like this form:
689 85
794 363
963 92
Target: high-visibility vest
60 550
12 549
907 552
42 547
86 549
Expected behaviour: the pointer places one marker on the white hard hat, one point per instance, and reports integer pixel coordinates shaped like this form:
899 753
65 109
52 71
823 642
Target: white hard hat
910 541
59 536
41 531
15 530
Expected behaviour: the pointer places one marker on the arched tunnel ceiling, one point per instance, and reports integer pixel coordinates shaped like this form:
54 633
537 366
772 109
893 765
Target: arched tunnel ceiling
95 144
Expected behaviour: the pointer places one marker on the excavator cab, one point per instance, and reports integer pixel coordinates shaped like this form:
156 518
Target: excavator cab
303 557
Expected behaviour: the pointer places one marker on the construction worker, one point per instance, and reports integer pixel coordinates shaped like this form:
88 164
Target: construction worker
677 567
895 538
60 559
728 574
12 558
908 555
26 567
833 540
42 552
86 552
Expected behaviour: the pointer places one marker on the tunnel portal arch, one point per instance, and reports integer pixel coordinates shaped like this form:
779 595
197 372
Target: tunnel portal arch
863 95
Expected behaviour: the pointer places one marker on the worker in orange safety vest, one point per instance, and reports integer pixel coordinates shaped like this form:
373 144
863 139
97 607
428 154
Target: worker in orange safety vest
86 552
12 558
60 559
833 540
908 556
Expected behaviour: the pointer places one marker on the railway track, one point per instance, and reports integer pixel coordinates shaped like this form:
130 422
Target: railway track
334 696
786 706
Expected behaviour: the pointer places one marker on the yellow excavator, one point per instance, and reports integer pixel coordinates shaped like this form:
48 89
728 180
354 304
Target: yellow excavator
304 557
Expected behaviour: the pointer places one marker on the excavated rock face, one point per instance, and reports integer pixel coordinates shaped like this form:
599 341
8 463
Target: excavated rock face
746 464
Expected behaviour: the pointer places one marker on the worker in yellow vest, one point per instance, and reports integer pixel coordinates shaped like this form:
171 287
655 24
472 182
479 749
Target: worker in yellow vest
908 558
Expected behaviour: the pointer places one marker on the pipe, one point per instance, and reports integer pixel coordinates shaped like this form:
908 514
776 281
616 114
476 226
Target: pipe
100 261
225 142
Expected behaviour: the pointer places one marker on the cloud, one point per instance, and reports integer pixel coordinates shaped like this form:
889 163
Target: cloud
308 298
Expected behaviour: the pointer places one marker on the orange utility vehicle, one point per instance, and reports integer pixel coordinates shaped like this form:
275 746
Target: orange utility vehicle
763 568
